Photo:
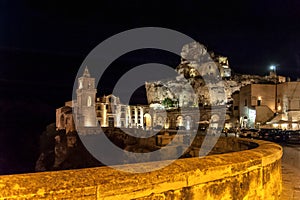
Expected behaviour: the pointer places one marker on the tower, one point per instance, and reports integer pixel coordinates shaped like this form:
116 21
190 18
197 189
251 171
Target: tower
86 94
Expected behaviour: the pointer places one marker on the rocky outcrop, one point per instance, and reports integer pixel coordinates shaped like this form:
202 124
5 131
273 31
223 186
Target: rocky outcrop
199 70
61 150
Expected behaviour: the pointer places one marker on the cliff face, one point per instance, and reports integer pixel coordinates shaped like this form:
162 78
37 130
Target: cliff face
61 151
198 80
200 71
178 90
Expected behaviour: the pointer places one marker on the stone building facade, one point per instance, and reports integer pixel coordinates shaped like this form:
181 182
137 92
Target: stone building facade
274 105
199 84
112 113
91 112
84 106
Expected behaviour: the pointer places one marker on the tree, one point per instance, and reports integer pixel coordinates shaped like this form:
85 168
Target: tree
167 102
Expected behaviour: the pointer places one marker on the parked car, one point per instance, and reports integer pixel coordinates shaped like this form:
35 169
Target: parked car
243 133
292 136
203 127
249 133
268 134
279 136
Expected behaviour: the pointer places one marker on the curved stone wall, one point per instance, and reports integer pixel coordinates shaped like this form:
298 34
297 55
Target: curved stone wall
249 174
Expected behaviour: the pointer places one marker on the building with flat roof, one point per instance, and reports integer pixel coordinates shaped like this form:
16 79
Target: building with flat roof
272 105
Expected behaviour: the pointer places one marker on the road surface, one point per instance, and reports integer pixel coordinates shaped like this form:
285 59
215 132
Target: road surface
290 172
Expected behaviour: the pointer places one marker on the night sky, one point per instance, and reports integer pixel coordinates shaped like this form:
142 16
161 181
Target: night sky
43 43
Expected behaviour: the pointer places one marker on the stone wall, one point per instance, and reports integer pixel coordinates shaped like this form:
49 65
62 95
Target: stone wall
249 174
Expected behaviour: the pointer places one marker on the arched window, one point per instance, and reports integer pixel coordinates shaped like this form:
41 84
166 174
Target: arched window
188 122
179 121
147 120
80 84
89 101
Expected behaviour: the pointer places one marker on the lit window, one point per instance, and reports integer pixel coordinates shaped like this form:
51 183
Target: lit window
80 84
89 101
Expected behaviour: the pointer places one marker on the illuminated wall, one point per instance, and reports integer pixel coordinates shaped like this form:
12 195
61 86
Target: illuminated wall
251 174
253 96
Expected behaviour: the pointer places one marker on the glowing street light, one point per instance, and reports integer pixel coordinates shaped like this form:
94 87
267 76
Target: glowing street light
273 67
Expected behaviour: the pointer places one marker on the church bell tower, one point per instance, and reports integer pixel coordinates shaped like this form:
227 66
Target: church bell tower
86 94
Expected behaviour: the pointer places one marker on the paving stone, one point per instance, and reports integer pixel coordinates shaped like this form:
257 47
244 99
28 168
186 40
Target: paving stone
290 183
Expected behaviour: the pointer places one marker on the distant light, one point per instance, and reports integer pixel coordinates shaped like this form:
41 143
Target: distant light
272 67
279 108
284 126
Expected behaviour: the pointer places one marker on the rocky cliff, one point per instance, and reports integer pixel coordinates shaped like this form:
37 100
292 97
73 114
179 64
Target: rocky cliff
61 151
199 69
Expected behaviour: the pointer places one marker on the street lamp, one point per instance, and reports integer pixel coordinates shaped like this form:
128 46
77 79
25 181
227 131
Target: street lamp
274 68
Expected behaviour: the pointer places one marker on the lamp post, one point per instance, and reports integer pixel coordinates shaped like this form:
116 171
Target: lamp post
274 68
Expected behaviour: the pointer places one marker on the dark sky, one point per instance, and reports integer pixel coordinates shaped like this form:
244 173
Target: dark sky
253 34
43 43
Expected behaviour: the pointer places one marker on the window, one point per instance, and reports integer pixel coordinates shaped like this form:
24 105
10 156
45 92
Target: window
80 84
89 101
245 104
235 108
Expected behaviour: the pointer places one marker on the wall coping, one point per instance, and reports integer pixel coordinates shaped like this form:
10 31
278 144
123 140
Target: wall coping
108 183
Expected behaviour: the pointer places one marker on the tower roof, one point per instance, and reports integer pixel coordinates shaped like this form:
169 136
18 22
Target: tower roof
86 72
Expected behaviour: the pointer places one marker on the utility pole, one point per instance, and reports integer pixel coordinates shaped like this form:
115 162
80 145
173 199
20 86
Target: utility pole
273 67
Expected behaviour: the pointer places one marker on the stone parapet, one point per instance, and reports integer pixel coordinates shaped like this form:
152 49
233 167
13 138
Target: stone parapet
248 174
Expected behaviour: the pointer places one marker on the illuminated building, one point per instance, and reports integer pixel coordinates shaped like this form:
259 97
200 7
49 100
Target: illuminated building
256 105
